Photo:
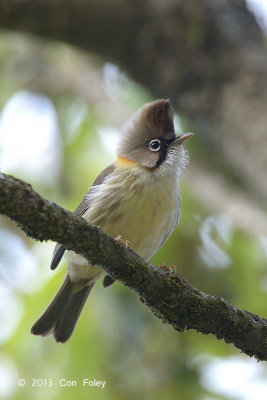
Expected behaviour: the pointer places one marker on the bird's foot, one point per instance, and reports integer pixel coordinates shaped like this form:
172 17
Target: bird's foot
169 268
123 242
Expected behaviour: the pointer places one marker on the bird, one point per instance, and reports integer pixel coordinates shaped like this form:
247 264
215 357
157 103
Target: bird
136 200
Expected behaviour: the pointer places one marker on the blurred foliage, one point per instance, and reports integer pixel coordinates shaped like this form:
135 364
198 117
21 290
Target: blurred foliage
117 339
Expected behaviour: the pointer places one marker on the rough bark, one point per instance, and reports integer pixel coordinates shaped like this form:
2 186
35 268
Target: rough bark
208 56
168 295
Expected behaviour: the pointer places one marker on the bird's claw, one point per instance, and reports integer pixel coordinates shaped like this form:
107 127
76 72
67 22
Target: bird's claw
169 268
123 242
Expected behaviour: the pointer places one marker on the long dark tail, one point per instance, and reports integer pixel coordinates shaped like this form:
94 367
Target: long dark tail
63 312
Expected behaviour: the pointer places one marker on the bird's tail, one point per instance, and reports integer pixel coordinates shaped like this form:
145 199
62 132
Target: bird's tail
63 312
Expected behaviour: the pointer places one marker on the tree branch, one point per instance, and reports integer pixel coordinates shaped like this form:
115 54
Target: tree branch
168 295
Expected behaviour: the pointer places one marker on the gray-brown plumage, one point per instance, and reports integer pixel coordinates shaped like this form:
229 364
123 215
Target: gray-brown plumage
137 197
152 121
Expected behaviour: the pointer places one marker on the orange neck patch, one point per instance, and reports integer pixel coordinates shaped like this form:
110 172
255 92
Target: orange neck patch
124 162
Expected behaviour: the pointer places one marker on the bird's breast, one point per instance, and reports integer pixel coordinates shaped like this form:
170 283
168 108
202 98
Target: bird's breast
142 208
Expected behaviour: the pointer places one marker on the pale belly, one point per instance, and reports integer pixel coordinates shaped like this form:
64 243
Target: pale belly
145 215
145 219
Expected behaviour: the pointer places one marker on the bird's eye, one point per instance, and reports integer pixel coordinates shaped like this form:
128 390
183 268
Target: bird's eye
154 145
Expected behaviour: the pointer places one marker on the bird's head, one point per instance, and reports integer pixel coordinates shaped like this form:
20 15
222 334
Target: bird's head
149 138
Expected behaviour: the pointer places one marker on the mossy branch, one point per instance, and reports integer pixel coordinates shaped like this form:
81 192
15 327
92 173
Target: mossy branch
168 295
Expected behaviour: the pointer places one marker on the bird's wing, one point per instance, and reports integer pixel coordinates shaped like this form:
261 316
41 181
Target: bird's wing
81 210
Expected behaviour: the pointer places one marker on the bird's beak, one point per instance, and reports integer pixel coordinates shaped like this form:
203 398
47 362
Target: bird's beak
180 139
